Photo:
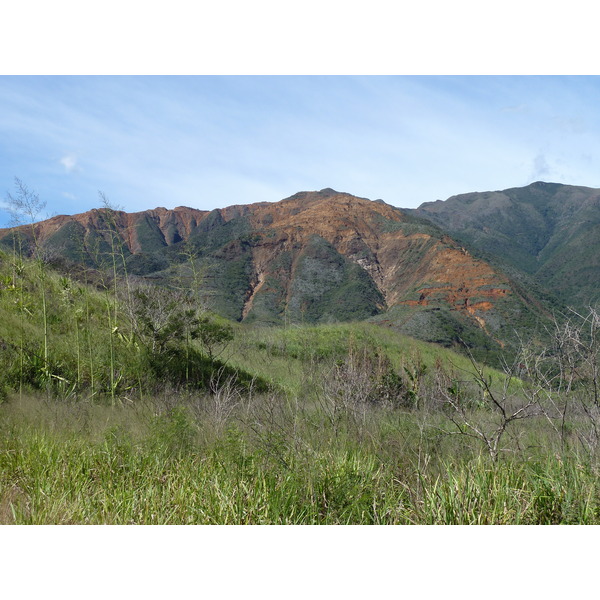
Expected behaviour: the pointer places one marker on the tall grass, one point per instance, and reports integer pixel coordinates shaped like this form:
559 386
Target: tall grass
350 423
161 464
69 338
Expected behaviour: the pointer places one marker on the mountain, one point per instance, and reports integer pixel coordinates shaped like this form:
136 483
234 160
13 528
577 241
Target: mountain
314 257
549 231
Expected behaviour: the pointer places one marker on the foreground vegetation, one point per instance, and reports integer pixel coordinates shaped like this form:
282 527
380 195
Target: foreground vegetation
354 438
121 402
267 462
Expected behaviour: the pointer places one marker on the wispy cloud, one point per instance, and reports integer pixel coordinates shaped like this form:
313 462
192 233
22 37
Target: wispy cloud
574 125
209 142
515 108
69 162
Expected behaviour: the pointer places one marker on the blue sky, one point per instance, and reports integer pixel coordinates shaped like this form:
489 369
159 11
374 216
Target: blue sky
213 141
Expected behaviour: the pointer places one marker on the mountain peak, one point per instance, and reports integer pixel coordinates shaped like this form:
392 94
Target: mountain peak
316 195
328 192
543 184
317 256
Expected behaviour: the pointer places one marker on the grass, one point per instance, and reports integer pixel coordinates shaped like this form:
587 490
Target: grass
330 424
159 464
283 355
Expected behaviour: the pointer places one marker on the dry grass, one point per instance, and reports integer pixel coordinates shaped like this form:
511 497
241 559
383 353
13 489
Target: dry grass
268 460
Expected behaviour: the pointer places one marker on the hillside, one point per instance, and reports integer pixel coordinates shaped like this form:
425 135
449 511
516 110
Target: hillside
124 400
547 230
316 257
73 339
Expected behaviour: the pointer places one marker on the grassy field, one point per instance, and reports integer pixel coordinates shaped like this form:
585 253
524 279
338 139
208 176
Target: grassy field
123 404
265 461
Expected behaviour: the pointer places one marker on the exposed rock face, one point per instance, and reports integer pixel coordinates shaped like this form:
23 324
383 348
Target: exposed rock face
408 263
313 257
547 230
171 226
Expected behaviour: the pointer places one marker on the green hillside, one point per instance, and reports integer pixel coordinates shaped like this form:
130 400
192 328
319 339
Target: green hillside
113 339
69 338
548 231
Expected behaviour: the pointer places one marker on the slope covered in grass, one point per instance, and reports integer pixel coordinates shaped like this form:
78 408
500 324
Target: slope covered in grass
62 463
285 356
118 338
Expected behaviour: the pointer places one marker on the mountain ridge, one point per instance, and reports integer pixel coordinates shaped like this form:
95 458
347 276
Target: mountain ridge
314 257
549 231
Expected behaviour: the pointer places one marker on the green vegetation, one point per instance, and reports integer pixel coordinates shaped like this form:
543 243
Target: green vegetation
327 287
265 460
345 423
284 355
127 402
67 338
409 226
548 232
150 236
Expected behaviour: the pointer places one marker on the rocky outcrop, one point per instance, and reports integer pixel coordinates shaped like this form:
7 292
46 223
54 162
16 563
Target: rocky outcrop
315 256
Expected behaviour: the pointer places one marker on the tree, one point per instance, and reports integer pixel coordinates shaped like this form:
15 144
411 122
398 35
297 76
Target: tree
567 377
168 321
469 413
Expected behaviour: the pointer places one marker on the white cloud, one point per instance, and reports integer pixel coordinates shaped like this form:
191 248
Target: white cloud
69 162
69 196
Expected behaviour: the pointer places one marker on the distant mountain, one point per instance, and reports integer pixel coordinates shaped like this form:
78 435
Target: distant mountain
547 230
312 258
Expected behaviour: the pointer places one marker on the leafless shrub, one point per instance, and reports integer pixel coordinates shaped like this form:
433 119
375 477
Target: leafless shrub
481 410
364 384
273 422
225 396
347 389
563 379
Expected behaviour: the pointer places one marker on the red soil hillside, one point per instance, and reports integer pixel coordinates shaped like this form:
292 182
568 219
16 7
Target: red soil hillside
316 256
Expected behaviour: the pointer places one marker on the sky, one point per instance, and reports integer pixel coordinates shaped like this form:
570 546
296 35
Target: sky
426 124
213 141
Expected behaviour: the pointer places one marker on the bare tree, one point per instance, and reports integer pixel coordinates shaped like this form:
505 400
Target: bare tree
570 376
469 412
25 208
